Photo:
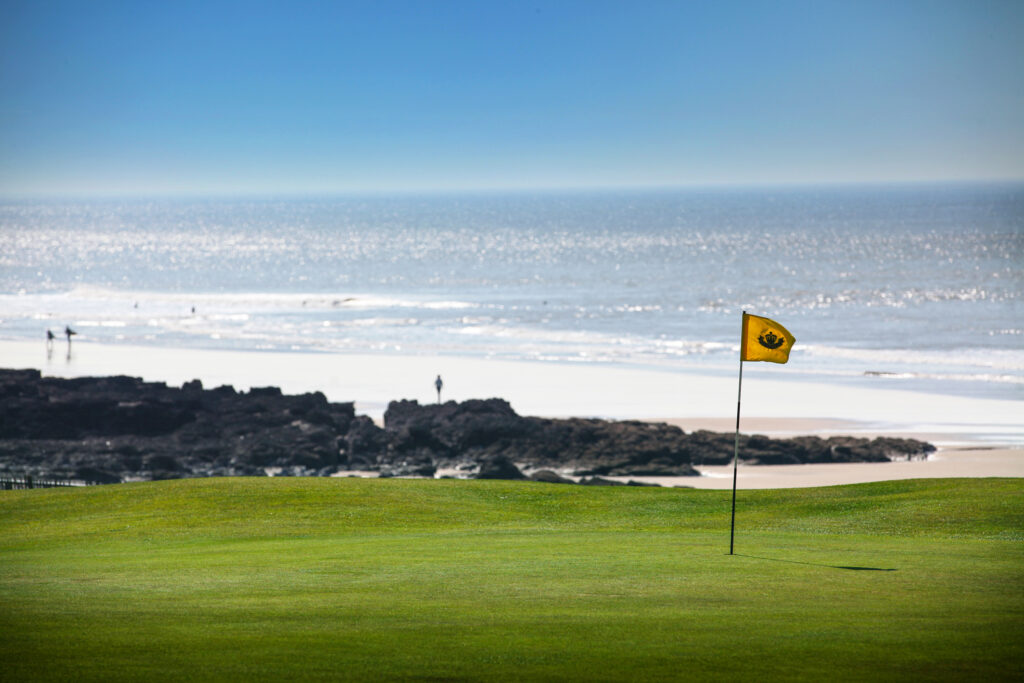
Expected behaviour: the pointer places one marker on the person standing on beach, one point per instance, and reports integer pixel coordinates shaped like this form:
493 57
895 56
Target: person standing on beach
438 384
49 340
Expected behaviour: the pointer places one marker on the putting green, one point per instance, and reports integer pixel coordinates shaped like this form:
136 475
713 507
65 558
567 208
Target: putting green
366 579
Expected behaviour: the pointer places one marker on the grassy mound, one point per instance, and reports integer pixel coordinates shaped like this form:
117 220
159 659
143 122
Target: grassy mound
274 579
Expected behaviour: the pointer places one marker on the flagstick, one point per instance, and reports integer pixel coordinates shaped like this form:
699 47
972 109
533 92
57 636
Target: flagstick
736 451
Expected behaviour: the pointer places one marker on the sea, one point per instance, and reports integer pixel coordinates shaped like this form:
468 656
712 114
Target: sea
912 286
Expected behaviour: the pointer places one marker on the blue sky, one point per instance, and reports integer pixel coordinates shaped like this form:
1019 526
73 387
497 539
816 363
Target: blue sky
293 97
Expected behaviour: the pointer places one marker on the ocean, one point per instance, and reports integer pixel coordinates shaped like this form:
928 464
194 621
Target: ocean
907 287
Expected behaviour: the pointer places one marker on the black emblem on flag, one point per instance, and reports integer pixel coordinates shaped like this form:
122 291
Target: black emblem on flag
769 341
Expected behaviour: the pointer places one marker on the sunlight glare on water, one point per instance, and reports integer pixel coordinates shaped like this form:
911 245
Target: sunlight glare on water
919 283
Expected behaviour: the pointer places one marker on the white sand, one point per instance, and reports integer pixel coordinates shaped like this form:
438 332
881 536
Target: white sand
535 388
771 404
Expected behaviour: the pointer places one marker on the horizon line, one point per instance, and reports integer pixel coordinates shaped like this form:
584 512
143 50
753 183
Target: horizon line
493 190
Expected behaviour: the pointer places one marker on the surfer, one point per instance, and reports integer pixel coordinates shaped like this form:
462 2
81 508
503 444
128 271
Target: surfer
438 384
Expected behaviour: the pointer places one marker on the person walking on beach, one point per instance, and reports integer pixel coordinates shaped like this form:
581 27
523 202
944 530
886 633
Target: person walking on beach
438 384
49 340
69 332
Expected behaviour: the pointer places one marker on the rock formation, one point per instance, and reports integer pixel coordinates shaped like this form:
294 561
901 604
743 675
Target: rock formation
111 429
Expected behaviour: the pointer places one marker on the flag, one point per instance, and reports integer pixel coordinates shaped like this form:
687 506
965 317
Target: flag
764 339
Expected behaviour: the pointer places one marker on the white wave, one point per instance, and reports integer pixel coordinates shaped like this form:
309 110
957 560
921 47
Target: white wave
949 376
373 322
996 359
231 317
89 297
375 302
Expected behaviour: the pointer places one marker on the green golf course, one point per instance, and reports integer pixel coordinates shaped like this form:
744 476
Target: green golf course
390 579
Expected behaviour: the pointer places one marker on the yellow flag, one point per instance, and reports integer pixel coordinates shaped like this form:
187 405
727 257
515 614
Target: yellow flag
764 339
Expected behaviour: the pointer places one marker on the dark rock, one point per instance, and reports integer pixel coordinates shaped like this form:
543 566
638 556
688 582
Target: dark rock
94 474
598 481
499 467
455 427
365 443
549 477
413 468
162 461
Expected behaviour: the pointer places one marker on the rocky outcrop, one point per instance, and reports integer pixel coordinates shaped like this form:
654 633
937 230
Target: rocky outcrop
111 429
116 428
458 434
454 433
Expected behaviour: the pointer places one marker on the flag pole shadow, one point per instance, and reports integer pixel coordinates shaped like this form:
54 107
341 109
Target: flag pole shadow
816 564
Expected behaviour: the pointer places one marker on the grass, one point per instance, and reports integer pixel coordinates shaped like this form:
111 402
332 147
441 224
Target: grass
349 579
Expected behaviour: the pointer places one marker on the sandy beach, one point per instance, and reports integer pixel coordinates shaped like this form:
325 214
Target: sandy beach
963 461
959 455
976 437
